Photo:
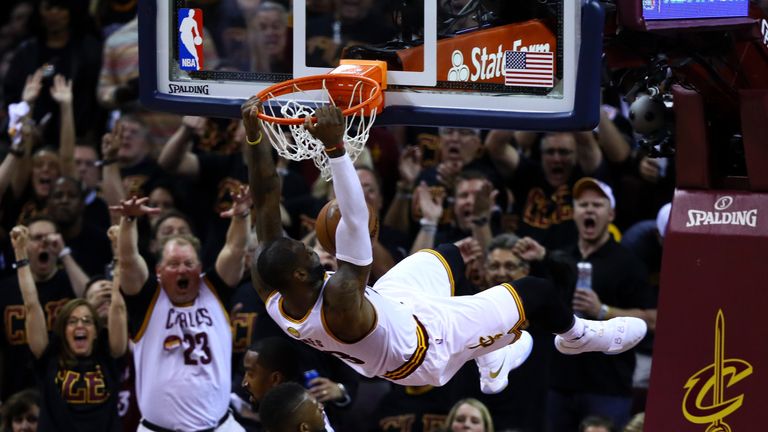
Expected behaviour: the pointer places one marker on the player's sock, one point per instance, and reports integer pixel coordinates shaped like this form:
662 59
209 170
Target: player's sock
576 331
543 305
613 336
495 366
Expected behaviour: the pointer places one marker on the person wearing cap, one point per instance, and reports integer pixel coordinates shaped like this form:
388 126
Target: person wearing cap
542 186
588 385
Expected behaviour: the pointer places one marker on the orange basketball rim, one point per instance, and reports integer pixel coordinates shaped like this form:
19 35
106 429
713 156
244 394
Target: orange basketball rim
355 86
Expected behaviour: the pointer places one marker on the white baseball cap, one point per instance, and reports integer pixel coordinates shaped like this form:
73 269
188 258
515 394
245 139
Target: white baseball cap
595 184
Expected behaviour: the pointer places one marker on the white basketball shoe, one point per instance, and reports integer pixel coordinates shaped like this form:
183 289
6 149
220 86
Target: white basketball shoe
613 336
494 381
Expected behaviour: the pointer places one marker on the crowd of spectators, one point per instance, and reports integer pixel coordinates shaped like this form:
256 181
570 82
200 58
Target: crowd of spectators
76 142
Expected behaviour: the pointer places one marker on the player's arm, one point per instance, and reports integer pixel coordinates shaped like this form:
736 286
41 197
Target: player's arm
34 323
264 183
344 291
132 267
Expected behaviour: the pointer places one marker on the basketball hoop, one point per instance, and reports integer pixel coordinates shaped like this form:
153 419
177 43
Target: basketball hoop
355 87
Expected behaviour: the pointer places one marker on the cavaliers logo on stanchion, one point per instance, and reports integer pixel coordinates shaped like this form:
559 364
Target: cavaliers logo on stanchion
705 397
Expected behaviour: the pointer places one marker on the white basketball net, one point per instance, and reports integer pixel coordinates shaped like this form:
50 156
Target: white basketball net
300 144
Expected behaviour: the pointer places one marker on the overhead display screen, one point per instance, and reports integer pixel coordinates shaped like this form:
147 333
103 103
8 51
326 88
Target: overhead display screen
693 9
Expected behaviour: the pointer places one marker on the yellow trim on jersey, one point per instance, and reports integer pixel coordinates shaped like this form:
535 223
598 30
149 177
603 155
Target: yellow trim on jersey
272 294
285 315
215 293
445 264
519 325
330 333
147 315
186 304
416 359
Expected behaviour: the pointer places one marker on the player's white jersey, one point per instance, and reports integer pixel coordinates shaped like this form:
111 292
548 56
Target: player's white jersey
383 352
422 334
183 357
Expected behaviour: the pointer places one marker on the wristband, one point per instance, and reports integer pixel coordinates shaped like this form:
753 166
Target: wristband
428 226
480 221
429 229
64 252
424 222
256 141
338 147
242 215
20 263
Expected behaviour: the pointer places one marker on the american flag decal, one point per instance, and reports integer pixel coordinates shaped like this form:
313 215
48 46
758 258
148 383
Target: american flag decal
529 69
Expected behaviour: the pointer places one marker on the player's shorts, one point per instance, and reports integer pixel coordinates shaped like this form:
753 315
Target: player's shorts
458 328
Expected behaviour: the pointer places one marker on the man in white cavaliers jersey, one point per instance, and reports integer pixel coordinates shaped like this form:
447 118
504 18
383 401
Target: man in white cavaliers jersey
180 329
407 328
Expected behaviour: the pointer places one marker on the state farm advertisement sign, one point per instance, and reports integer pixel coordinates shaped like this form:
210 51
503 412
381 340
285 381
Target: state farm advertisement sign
479 57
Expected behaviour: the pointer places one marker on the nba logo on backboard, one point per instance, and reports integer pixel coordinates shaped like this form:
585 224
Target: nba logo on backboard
190 39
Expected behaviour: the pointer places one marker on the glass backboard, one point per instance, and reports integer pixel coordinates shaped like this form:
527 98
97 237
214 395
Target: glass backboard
526 64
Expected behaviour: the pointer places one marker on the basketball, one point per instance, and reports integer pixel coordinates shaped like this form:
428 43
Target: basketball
198 40
328 219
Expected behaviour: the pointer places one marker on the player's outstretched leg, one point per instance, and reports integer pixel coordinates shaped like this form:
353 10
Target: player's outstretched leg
494 367
613 336
576 335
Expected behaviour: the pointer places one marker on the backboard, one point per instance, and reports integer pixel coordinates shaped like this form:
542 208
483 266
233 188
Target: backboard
527 65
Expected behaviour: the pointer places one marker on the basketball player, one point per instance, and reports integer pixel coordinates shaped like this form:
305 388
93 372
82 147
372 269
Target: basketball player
291 408
269 363
181 331
407 328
